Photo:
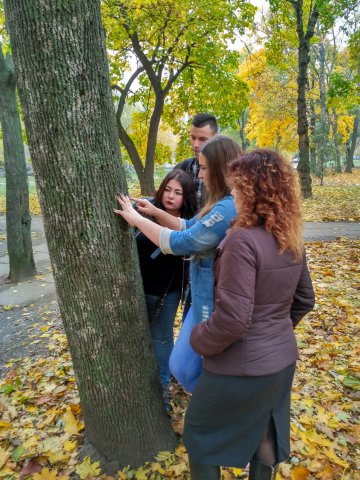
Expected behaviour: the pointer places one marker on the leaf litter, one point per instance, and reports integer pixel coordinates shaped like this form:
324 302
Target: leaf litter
41 426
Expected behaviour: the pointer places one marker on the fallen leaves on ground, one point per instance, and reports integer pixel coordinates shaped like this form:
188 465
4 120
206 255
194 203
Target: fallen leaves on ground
41 427
336 200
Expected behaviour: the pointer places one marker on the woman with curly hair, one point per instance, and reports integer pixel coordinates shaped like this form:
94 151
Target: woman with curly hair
240 408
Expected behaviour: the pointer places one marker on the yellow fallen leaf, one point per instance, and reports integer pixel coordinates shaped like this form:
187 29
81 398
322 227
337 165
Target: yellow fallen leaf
69 446
87 469
331 455
237 471
48 419
299 473
56 457
45 474
31 408
51 444
4 455
327 473
311 436
5 425
70 423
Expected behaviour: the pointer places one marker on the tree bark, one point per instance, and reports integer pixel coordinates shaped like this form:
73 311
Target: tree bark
351 144
242 123
313 156
335 137
18 219
70 122
151 143
303 167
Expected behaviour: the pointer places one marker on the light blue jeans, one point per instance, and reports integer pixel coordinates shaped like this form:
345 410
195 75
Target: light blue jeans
185 363
162 331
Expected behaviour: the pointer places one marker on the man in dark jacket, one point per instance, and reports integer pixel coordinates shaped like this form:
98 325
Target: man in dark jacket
203 127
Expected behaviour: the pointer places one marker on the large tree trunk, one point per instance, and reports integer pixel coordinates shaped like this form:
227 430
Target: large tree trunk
18 220
351 144
70 122
303 63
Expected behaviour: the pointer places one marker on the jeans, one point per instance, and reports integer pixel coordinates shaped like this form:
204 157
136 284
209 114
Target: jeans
162 331
185 363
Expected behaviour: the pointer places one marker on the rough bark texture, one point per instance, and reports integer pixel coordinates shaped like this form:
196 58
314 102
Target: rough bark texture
303 62
59 54
18 219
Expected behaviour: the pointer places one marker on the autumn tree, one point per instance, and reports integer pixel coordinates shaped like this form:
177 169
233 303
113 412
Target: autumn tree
344 85
163 39
272 101
70 124
302 17
18 219
219 91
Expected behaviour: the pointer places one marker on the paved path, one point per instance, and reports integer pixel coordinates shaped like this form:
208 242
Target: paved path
42 288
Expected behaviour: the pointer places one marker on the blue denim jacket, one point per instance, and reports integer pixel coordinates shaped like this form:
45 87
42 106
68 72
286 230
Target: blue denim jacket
199 238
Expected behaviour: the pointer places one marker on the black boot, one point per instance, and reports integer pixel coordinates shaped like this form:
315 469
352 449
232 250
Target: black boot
200 471
260 471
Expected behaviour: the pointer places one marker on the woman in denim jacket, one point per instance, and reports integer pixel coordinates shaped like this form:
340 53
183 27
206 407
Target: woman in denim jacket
198 238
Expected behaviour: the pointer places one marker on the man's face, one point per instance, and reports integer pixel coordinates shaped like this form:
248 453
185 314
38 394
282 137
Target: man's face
198 136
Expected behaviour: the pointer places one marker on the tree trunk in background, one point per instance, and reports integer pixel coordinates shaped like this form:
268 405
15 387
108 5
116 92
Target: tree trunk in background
313 153
242 124
335 139
351 144
18 219
304 38
60 58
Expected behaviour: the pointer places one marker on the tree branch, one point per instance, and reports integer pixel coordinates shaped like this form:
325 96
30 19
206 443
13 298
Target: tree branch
124 91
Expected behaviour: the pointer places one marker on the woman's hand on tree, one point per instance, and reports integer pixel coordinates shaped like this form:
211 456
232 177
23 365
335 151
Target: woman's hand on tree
144 206
127 211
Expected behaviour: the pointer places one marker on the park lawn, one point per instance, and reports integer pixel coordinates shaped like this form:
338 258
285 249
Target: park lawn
337 199
41 427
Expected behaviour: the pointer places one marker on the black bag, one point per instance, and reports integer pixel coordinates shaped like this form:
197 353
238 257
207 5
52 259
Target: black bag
154 306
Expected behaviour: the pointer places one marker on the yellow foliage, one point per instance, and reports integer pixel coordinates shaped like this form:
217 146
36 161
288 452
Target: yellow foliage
272 122
345 126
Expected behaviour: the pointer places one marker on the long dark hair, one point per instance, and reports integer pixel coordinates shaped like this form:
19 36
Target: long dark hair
189 207
219 151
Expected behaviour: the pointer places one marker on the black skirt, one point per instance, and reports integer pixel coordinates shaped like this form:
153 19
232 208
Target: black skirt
227 416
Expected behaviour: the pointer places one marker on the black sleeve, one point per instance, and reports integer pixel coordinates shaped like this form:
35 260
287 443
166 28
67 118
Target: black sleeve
183 165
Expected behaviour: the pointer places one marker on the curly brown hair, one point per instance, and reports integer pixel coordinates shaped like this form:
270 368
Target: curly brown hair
266 190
